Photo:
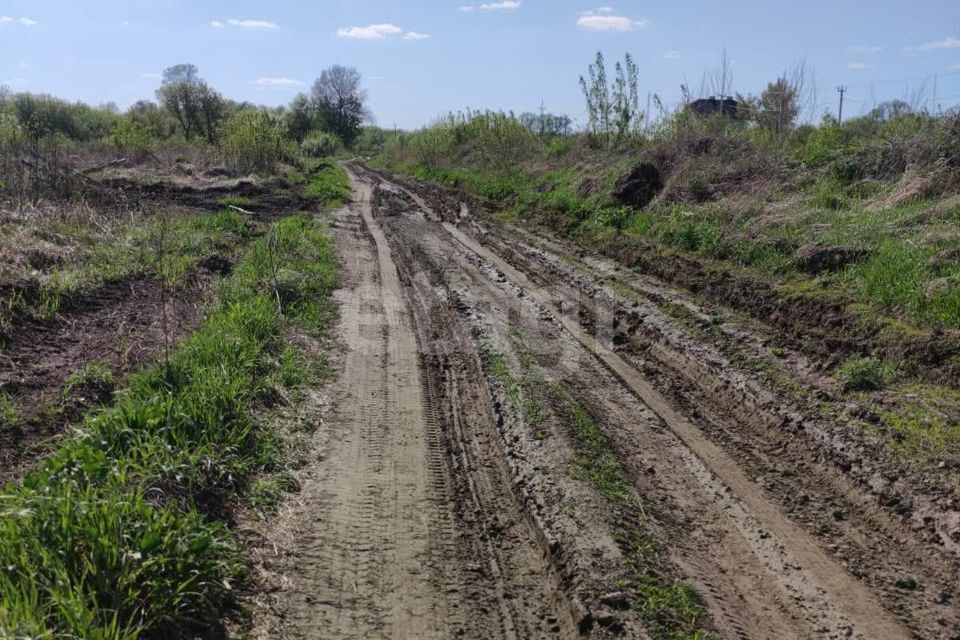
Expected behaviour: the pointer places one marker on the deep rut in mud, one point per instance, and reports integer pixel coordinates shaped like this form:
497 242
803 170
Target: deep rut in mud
404 528
437 508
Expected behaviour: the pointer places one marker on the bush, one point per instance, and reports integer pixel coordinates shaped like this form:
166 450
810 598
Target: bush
320 145
253 141
131 136
863 374
488 139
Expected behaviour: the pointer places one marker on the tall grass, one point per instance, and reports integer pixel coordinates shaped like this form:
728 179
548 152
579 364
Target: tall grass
118 535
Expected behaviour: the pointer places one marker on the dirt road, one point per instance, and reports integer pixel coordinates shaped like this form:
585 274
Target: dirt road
449 493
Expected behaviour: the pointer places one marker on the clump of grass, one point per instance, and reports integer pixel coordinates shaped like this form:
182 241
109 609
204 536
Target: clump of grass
235 201
116 536
10 415
94 380
863 374
518 391
268 490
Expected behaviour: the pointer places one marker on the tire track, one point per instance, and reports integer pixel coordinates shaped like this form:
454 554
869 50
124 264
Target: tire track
396 532
815 588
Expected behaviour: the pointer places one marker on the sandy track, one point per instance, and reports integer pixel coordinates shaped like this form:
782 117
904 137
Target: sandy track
390 536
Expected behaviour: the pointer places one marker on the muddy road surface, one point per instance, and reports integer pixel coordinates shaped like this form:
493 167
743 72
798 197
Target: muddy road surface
524 443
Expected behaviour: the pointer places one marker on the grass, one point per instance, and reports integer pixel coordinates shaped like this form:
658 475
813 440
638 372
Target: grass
93 379
119 534
863 374
896 279
164 248
235 201
10 416
329 184
671 609
926 427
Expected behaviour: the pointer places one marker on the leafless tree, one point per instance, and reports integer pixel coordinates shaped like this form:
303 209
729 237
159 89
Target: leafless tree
719 80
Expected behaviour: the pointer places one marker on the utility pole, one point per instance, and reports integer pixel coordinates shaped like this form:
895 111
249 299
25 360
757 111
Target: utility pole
842 90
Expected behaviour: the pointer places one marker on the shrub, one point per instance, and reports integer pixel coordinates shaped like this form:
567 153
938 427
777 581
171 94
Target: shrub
863 374
320 145
253 141
133 137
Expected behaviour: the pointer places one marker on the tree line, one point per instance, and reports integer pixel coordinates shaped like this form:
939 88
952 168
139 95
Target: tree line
187 106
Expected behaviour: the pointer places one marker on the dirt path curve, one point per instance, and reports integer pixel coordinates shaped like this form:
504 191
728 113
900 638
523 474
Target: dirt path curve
373 546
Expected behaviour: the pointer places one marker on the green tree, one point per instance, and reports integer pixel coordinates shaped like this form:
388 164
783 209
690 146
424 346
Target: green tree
778 106
195 105
340 102
613 112
301 117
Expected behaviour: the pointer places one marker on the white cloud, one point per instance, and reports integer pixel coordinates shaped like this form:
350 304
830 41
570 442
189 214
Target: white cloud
506 5
373 32
946 43
216 24
27 22
252 24
671 55
864 49
413 35
606 20
279 82
859 66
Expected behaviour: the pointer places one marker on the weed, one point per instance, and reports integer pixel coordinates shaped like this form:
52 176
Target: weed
10 416
863 374
94 380
268 490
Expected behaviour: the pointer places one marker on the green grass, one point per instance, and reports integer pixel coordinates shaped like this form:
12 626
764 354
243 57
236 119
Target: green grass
235 201
92 379
118 535
167 249
10 415
671 609
329 184
863 374
927 426
898 278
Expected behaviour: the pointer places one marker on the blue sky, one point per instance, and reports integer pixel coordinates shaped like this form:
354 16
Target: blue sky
421 58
